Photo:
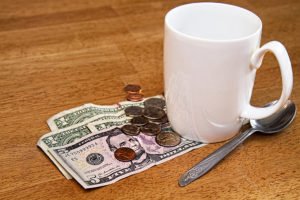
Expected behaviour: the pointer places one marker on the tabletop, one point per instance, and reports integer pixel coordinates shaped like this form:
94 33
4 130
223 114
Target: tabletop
59 54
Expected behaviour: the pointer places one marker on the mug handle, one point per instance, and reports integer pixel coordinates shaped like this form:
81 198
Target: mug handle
252 112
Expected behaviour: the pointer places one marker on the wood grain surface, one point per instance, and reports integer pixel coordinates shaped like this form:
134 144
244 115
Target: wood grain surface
59 54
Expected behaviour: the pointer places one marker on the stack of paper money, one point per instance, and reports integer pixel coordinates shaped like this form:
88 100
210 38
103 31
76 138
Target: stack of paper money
90 143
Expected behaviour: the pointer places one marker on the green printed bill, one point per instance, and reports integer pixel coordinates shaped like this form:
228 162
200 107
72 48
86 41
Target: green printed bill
70 125
82 113
75 132
91 160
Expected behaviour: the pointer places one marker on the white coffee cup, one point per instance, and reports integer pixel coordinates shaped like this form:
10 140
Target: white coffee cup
211 54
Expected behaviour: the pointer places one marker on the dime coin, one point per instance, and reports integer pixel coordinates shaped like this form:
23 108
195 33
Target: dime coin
168 139
139 121
156 102
129 129
134 111
162 120
150 129
135 97
152 112
131 88
125 154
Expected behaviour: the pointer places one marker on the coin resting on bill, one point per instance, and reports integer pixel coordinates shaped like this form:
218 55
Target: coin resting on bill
156 102
125 154
151 129
162 120
152 112
134 111
139 121
149 121
130 129
168 139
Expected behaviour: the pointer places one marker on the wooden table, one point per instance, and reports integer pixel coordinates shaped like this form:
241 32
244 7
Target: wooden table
60 54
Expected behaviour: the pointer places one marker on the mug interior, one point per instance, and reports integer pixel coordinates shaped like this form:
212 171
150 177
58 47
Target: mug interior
213 21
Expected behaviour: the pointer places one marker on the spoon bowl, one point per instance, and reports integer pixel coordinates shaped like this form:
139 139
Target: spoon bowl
277 122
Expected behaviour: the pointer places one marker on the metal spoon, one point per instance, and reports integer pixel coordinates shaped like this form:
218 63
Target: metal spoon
270 125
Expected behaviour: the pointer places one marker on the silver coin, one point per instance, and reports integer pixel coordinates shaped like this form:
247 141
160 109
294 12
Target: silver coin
133 111
152 112
139 121
168 139
130 129
162 120
151 129
156 102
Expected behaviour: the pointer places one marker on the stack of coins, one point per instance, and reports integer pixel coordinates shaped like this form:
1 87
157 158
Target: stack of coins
149 120
134 92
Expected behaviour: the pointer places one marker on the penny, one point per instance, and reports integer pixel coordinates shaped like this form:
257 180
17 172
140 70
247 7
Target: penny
125 154
152 112
162 120
139 121
151 129
156 102
168 139
133 111
132 88
131 130
135 97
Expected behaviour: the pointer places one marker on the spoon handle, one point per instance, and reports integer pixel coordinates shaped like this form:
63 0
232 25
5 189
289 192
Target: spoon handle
214 158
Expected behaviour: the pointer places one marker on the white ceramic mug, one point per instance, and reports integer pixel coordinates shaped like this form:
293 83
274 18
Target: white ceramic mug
211 54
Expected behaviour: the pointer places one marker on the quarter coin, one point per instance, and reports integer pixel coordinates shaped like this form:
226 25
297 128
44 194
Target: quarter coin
162 120
133 111
152 112
168 139
156 102
151 129
131 130
139 121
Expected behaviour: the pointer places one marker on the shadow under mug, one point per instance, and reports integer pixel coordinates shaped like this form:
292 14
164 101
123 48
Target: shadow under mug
211 54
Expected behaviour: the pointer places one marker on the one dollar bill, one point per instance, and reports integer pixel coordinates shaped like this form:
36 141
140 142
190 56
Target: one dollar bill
85 112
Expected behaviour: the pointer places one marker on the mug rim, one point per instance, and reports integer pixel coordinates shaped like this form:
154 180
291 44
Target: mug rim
185 35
